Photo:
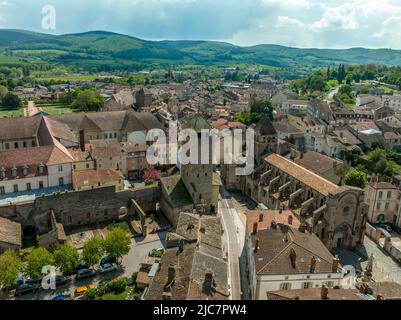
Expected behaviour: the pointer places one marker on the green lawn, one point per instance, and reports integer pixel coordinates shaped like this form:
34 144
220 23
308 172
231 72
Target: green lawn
114 296
4 112
57 109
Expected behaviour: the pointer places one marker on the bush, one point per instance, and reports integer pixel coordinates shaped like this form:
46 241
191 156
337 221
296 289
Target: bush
91 294
119 285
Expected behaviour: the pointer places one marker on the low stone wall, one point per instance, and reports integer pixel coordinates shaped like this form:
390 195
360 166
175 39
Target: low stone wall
77 209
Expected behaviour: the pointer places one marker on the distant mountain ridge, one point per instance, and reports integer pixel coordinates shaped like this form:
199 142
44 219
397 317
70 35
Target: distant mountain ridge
113 49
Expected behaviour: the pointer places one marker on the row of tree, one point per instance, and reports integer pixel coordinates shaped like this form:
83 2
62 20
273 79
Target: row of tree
116 244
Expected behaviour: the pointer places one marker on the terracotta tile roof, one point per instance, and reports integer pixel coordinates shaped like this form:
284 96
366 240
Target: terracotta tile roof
10 232
275 246
268 217
32 158
317 162
315 294
19 128
95 177
301 174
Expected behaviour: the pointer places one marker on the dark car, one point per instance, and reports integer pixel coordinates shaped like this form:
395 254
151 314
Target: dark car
26 289
85 274
61 280
107 260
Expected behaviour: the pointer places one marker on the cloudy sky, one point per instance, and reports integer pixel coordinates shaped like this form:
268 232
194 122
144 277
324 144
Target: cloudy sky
300 23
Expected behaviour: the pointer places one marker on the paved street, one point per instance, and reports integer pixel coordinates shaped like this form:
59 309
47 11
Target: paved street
234 224
139 251
384 267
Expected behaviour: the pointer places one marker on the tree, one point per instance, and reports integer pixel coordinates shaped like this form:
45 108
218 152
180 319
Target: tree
10 267
262 106
36 260
66 258
345 89
3 91
92 251
356 178
87 100
117 243
381 166
11 101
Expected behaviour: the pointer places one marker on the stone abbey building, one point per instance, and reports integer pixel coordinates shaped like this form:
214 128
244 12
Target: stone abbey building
336 214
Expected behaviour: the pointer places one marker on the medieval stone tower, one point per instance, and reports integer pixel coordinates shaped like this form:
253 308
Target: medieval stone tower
265 138
198 178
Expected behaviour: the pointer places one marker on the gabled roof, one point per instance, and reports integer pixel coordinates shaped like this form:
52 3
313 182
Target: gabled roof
196 122
275 247
265 127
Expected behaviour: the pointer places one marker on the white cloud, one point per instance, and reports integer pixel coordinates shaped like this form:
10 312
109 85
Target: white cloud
284 21
290 3
391 29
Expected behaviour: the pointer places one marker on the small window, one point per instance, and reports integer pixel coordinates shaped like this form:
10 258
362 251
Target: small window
40 184
7 146
15 187
307 285
61 182
2 190
33 143
28 187
378 206
16 145
60 168
285 286
380 194
24 144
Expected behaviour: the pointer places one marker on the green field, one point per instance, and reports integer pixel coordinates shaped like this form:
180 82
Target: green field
4 112
4 59
57 109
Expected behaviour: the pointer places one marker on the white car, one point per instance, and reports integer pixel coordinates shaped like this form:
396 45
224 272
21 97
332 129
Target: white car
108 267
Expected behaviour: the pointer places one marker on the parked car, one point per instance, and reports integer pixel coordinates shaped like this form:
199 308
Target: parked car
108 260
61 280
386 227
108 267
85 274
81 290
62 298
26 289
156 253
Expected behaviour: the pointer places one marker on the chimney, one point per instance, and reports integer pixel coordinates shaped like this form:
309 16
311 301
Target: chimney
261 217
313 264
324 293
284 228
302 228
290 220
281 210
293 257
255 228
336 264
255 250
171 274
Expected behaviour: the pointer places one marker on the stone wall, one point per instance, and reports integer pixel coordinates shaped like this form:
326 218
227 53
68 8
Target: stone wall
75 209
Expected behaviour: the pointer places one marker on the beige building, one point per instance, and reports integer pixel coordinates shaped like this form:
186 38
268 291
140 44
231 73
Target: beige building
100 178
109 154
283 258
383 199
34 169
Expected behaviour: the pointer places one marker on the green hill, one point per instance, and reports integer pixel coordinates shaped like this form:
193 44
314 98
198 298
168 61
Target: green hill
107 50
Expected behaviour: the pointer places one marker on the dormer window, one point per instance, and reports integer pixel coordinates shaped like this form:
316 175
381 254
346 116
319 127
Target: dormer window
25 170
2 173
41 168
14 172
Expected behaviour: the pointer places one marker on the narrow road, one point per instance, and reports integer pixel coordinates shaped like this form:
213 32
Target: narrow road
31 109
234 250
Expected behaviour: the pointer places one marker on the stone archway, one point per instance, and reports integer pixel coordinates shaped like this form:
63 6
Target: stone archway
340 236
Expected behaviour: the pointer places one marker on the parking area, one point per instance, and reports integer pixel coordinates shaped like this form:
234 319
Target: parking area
130 264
